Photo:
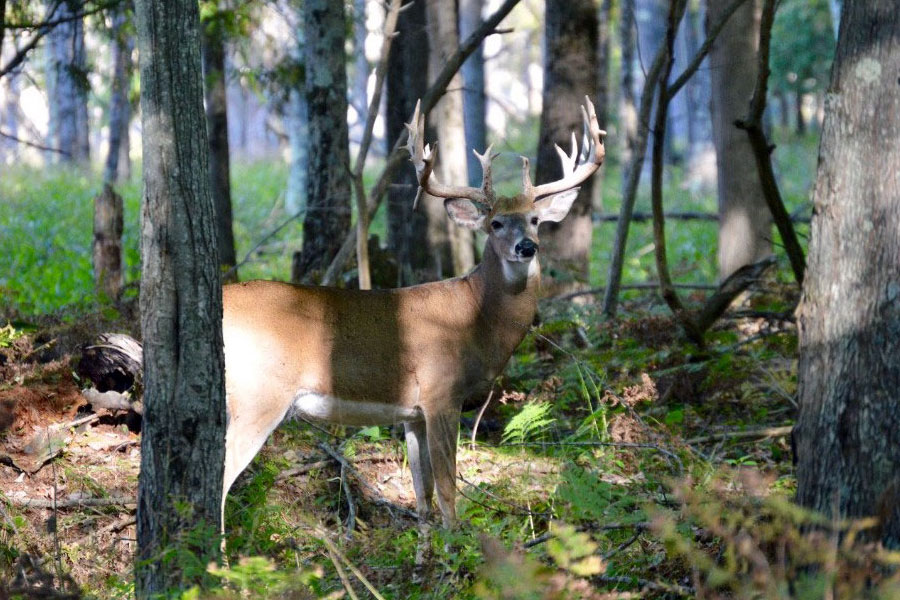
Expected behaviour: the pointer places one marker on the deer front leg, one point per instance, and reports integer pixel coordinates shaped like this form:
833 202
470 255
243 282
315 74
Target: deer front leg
420 466
442 430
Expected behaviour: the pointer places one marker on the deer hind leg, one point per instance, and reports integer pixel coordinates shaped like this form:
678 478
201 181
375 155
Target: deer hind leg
420 466
442 430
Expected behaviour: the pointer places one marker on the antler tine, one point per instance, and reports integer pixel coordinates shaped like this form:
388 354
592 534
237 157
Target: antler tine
527 187
487 182
423 157
589 159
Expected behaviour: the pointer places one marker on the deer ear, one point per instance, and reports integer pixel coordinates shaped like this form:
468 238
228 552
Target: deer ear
465 213
556 207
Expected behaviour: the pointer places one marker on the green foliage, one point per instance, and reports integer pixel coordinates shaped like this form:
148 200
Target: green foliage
574 551
802 46
530 423
589 498
8 335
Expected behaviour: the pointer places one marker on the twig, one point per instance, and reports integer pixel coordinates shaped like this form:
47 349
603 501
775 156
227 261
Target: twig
351 504
640 526
378 498
321 464
34 145
340 570
647 285
623 545
653 586
517 511
481 414
322 535
766 432
40 348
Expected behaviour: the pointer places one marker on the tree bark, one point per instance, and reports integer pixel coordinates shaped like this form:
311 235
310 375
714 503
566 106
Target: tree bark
848 432
447 120
570 68
745 224
327 218
213 49
67 87
119 106
474 99
407 80
182 443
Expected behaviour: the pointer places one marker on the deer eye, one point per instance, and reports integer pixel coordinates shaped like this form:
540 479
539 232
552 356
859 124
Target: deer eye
534 220
496 225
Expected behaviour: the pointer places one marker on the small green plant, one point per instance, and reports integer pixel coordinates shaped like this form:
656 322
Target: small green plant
530 424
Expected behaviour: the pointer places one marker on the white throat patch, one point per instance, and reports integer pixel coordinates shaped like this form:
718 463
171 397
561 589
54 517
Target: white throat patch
516 272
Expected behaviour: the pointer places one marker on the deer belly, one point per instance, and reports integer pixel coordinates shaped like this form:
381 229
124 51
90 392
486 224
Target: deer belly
322 407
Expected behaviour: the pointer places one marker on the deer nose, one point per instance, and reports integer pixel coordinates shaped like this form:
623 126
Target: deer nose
526 248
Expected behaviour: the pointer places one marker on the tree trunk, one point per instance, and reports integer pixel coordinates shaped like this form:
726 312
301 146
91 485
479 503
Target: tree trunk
327 217
447 119
10 111
108 211
67 87
604 96
570 67
474 99
848 432
213 48
800 121
745 224
407 80
298 131
119 106
360 91
627 100
183 436
696 92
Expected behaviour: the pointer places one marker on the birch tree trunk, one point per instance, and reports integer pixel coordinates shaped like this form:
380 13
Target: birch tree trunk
183 437
848 432
745 223
570 68
327 219
213 49
447 119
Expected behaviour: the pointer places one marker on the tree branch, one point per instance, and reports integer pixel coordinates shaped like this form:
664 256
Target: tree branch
762 151
398 152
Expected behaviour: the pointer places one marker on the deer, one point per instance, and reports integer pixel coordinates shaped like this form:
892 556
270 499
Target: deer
410 355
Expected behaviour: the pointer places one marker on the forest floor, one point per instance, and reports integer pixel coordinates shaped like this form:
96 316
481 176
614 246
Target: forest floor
614 460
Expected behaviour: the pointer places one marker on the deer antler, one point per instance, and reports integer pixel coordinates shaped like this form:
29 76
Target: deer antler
575 172
423 157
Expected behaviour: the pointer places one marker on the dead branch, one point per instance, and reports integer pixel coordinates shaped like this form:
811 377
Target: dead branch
362 220
766 432
629 192
762 151
716 305
685 215
71 502
640 526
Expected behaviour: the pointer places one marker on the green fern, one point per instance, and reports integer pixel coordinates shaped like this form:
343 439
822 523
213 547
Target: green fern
530 424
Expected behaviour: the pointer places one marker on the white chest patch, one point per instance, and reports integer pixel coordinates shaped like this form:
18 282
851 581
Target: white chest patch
321 407
515 272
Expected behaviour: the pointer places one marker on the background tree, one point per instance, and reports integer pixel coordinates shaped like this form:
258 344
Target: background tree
67 85
802 47
848 439
183 431
108 215
447 120
327 217
570 73
745 224
213 48
474 99
407 80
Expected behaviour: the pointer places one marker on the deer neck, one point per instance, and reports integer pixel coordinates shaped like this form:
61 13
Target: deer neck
507 294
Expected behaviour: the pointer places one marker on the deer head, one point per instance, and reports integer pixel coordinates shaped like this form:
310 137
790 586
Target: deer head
511 222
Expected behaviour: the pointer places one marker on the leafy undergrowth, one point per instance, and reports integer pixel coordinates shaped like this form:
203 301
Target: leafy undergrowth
614 460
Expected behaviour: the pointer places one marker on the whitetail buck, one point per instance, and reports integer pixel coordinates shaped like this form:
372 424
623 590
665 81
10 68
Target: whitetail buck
409 355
